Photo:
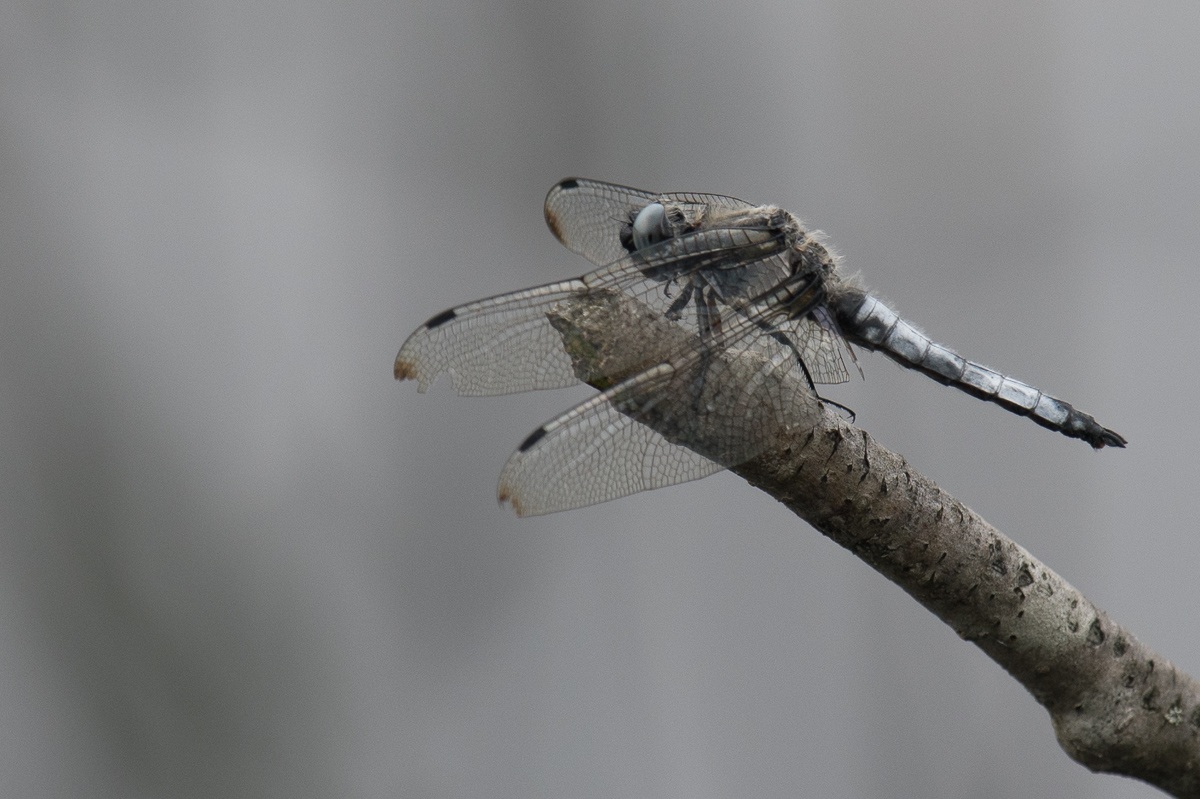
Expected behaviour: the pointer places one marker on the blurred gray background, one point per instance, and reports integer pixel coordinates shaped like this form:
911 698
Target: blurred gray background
238 559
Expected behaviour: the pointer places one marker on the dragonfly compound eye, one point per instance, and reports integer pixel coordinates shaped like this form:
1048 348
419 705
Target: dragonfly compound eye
650 226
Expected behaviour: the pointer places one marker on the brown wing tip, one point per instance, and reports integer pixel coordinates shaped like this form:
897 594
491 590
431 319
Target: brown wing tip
504 496
552 220
553 223
404 370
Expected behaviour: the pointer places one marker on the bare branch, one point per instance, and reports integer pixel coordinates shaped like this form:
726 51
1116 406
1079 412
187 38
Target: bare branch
1116 706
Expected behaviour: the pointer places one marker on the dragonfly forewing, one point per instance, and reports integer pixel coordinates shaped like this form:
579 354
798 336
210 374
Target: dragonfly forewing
494 346
506 343
587 216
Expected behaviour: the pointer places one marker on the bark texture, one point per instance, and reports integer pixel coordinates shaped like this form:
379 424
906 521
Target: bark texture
1116 705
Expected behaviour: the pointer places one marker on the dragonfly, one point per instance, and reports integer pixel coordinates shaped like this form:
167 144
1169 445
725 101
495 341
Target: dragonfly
729 316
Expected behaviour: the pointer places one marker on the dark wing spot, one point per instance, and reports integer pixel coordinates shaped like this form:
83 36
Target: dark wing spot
440 319
568 184
534 438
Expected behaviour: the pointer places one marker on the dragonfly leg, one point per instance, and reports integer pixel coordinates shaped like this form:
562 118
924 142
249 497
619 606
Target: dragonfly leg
787 342
708 321
676 310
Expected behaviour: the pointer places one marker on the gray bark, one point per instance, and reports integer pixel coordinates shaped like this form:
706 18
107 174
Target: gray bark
1116 705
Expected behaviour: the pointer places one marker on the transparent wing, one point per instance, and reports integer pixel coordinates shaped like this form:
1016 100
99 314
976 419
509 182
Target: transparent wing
587 215
497 345
510 343
680 420
594 453
819 344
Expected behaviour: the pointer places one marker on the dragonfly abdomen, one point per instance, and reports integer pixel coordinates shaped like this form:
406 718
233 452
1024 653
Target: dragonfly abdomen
869 323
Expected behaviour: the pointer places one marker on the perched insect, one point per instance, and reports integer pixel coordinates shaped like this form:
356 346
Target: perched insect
741 279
